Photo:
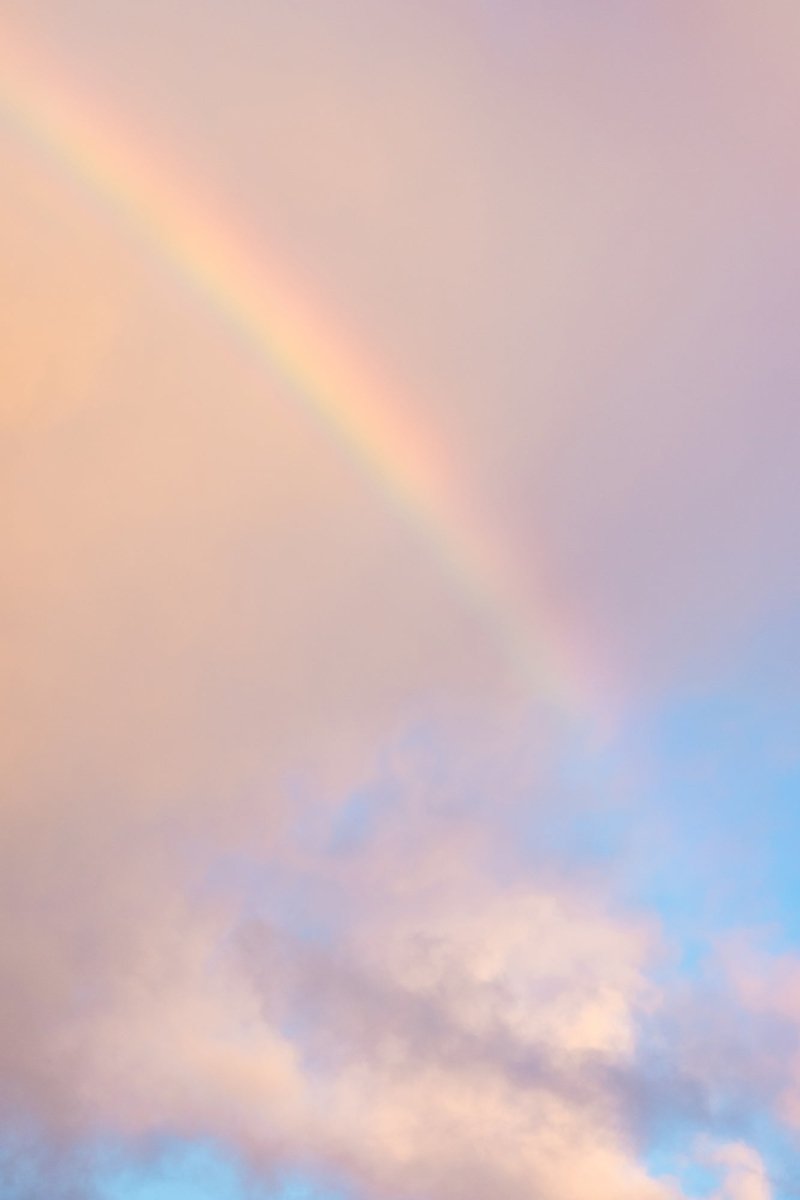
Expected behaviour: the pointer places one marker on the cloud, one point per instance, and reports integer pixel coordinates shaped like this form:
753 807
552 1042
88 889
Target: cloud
422 1024
745 1175
438 1043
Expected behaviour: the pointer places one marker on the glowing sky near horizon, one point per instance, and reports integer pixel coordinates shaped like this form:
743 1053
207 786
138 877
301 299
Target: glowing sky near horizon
400 756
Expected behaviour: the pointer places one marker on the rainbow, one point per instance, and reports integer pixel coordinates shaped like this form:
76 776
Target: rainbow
305 349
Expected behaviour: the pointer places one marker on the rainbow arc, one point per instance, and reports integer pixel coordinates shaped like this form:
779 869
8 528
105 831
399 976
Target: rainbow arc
306 350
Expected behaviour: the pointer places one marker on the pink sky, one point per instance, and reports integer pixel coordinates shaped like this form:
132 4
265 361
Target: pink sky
284 862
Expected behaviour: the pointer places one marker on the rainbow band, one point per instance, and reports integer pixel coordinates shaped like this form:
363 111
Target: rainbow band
307 353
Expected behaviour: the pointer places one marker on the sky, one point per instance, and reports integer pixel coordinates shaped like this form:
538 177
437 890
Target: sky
400 600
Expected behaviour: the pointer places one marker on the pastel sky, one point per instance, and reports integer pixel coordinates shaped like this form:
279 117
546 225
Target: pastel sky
400 604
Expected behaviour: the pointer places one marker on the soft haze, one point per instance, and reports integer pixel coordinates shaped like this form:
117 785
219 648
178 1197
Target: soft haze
400 764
